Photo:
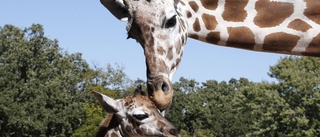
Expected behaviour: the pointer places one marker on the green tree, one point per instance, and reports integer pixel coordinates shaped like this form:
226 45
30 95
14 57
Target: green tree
39 85
264 105
211 110
234 108
223 102
95 114
299 80
182 99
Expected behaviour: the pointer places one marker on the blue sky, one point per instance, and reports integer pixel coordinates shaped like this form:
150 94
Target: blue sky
85 26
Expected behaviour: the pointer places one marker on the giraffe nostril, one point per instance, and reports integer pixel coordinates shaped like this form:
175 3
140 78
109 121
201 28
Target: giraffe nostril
174 132
165 87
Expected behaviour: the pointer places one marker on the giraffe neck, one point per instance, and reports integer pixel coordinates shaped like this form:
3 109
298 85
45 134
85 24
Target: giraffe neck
278 26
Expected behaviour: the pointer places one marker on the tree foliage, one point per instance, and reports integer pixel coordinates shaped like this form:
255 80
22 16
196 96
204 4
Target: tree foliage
38 85
289 107
299 86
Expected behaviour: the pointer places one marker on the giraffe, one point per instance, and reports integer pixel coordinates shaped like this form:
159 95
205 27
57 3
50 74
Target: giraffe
133 116
162 27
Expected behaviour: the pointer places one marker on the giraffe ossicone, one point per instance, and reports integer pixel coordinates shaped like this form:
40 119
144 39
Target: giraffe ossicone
133 116
162 27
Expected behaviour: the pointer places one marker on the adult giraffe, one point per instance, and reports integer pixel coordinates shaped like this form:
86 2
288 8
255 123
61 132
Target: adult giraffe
162 27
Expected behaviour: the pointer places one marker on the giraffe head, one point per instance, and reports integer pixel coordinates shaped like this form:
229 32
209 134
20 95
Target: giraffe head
134 116
161 31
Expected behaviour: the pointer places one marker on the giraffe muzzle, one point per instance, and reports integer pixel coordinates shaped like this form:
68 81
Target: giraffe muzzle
160 92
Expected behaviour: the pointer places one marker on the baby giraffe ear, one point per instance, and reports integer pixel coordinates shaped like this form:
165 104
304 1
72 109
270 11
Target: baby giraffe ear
107 103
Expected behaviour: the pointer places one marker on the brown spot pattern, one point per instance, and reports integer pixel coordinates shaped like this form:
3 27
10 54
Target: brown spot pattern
313 48
160 50
235 13
195 36
173 66
213 37
178 47
196 25
241 37
162 66
194 6
182 2
272 13
189 15
210 4
313 11
280 42
182 23
178 60
170 53
180 29
210 21
299 24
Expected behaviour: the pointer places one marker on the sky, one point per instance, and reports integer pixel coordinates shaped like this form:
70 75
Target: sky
87 27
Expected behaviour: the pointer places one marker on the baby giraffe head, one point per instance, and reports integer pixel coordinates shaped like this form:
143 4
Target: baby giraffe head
134 116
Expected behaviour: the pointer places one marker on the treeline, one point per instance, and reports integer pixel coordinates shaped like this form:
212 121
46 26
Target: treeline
45 91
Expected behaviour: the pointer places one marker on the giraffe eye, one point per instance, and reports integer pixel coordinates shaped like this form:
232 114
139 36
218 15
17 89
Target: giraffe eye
141 116
171 22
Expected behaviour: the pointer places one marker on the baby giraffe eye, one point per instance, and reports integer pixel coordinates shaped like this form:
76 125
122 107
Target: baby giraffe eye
141 116
171 22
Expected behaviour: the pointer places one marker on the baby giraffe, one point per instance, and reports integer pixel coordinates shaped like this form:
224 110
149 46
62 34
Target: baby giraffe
133 116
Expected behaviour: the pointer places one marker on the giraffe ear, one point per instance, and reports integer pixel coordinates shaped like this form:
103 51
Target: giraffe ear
107 103
117 8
